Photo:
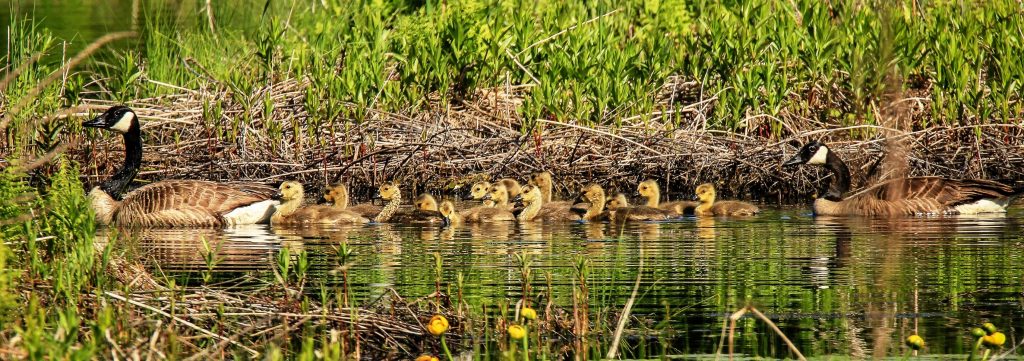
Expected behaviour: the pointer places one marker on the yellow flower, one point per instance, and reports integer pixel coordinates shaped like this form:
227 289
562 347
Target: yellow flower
529 313
438 325
996 339
427 358
516 332
989 328
915 342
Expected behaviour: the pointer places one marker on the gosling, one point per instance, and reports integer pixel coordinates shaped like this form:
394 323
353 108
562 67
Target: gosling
291 212
709 207
650 190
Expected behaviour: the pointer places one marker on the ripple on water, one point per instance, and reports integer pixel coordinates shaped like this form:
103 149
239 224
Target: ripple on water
826 280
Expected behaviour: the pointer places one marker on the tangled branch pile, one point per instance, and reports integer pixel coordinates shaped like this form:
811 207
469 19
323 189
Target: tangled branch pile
447 147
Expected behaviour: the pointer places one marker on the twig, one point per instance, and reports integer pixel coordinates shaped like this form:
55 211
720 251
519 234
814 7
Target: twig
191 325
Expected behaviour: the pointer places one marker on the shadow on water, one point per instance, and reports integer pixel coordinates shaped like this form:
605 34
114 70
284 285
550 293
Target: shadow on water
845 286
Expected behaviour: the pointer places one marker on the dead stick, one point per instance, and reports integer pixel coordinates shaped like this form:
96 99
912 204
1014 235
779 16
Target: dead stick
184 322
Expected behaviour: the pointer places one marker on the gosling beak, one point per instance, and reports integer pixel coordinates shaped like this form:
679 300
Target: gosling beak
694 198
581 199
377 196
796 160
486 197
518 199
445 221
322 200
277 196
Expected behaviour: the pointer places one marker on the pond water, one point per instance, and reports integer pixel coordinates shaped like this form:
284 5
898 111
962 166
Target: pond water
836 286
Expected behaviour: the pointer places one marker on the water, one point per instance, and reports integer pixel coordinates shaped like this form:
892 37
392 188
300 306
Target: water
836 286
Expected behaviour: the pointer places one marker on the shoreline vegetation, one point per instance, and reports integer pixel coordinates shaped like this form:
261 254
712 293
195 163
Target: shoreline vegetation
443 94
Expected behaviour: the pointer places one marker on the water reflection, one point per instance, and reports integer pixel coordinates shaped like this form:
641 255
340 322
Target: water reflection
836 285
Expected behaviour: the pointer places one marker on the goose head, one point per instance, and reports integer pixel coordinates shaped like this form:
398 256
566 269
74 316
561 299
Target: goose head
497 193
337 194
648 189
447 210
541 179
593 193
118 118
618 201
479 190
388 191
426 202
529 195
289 191
813 153
705 193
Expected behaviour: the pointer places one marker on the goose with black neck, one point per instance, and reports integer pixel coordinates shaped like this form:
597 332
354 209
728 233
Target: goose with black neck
901 196
170 203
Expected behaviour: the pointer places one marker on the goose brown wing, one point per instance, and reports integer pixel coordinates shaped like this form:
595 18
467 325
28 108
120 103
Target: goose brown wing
929 194
186 202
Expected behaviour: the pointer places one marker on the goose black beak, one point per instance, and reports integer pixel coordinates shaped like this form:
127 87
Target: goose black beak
96 122
796 160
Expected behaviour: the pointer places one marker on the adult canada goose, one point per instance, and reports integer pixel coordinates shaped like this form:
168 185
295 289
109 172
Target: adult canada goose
291 211
544 181
170 203
425 211
337 194
650 190
499 212
901 196
709 207
451 217
388 192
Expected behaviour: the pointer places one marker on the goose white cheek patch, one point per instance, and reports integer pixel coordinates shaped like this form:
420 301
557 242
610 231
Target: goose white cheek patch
124 123
819 156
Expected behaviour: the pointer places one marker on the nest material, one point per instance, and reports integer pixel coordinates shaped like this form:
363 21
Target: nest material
442 149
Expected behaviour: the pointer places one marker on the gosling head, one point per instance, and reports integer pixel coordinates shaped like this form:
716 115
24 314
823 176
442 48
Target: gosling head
618 201
529 195
813 153
289 191
426 202
541 179
592 193
497 193
479 190
336 193
706 193
118 118
388 191
648 189
447 210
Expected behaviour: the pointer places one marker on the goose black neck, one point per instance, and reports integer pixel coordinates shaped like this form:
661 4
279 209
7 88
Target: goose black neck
118 184
841 184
